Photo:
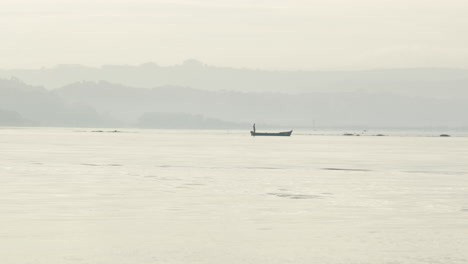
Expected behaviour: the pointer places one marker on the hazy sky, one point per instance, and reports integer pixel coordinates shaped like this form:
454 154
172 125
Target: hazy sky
269 34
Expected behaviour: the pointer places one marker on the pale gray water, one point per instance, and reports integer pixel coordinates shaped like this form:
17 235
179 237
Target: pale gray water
156 196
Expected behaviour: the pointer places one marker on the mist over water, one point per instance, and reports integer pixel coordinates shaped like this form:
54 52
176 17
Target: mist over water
124 132
167 196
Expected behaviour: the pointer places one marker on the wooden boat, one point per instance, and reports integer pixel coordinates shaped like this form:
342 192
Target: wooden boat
281 134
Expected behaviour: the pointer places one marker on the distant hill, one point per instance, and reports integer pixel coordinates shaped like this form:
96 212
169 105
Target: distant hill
12 118
104 104
44 107
359 108
425 82
184 121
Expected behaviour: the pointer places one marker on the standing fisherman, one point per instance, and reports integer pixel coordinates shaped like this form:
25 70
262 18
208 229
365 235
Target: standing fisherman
254 127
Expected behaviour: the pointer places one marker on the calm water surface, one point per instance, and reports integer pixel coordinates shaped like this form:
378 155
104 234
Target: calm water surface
159 196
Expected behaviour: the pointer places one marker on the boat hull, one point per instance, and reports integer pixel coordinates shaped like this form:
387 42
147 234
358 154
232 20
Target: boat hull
279 134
